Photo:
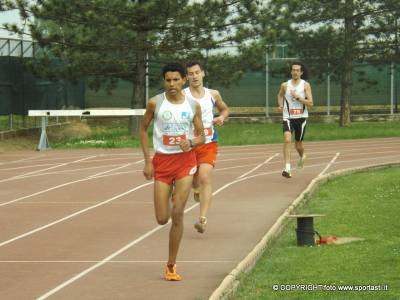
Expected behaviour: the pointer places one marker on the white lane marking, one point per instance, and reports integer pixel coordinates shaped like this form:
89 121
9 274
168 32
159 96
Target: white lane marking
241 158
110 262
236 167
329 164
26 175
258 153
52 160
340 143
25 167
259 166
57 187
85 202
71 215
123 249
313 150
17 161
136 241
74 170
121 167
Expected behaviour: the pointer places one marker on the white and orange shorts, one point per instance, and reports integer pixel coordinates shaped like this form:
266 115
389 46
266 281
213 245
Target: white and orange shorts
171 167
206 153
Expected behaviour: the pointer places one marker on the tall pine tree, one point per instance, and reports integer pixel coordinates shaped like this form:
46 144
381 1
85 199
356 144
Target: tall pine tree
110 40
338 32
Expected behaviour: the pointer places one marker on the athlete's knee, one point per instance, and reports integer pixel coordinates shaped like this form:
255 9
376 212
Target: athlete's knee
162 220
287 136
298 144
204 179
195 183
177 216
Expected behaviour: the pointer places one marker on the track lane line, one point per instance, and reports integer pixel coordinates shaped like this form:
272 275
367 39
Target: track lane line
71 215
110 262
259 166
329 165
141 238
27 175
57 187
126 247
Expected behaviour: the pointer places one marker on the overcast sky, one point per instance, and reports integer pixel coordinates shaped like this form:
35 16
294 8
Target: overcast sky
10 17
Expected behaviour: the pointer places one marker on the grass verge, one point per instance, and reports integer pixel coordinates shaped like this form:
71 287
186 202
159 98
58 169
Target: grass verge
116 135
360 205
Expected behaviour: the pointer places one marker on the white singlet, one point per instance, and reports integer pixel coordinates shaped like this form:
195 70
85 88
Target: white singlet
293 109
207 104
172 123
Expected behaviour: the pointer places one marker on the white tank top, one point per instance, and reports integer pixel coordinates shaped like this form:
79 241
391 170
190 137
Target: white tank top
172 123
207 104
293 109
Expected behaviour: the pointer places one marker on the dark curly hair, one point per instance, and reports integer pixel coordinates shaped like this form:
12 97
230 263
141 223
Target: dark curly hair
174 67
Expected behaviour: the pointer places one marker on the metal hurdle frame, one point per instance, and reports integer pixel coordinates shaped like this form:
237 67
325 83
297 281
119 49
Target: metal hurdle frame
44 114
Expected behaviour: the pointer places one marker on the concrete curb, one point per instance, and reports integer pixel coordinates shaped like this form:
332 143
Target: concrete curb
231 281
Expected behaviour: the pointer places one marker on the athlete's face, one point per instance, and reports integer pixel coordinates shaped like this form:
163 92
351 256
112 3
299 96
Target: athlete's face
195 76
173 82
296 72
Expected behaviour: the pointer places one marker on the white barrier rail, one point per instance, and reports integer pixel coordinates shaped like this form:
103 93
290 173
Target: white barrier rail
44 142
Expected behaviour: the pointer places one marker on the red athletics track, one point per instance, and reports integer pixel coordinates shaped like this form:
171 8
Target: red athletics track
80 224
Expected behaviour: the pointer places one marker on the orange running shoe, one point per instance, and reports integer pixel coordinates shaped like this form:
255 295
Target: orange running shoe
170 273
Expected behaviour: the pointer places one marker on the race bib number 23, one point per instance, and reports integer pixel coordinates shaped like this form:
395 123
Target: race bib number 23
173 140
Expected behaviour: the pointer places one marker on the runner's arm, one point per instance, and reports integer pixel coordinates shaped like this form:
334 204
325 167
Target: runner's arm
144 138
280 96
222 108
198 128
199 139
307 99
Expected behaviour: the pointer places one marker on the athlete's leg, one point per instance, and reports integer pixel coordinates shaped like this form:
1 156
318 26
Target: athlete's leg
196 187
205 179
287 138
162 192
299 136
299 147
181 194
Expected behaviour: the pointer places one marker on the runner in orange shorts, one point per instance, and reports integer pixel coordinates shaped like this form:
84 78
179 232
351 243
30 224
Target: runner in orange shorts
206 154
175 118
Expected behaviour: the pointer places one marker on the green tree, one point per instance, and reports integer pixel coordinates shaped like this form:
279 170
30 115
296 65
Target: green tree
106 41
338 32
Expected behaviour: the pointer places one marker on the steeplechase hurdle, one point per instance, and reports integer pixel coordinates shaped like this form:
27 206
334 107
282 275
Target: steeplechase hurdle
44 114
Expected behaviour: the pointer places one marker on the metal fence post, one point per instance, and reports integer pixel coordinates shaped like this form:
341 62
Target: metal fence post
266 84
391 87
11 122
328 91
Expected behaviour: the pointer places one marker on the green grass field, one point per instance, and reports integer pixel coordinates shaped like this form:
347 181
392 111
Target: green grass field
116 136
364 205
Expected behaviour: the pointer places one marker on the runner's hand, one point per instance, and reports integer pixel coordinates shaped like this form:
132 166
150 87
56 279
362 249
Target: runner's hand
219 121
148 171
185 145
294 94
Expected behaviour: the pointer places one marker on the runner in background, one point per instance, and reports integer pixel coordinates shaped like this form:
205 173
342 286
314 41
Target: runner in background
294 99
206 154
